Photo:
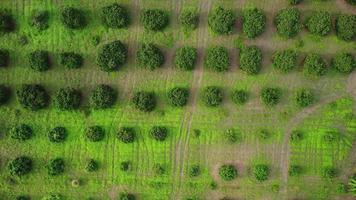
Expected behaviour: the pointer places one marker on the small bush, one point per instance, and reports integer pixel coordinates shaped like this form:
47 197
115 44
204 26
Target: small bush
271 96
126 196
285 60
39 60
319 23
7 23
20 166
329 172
23 197
40 20
21 132
264 134
212 96
294 2
352 184
32 97
251 60
102 97
178 96
159 133
95 133
144 101
185 58
154 19
189 19
57 134
53 197
158 169
221 21
115 16
194 171
70 60
345 27
239 97
295 170
344 63
150 56
67 99
253 22
227 172
126 135
111 56
287 22
126 166
231 136
261 172
331 136
304 97
217 58
73 18
92 166
55 167
4 94
4 58
314 65
341 188
296 136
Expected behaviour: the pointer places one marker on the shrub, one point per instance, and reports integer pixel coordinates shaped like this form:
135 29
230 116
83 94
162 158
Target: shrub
158 169
39 60
329 172
264 134
341 188
295 170
217 58
126 196
67 99
189 19
21 132
103 96
95 133
271 96
154 19
296 136
287 22
221 21
285 60
55 167
253 22
261 172
92 166
71 60
4 94
314 65
126 135
159 133
344 63
23 197
20 166
7 23
352 2
32 97
125 166
57 134
331 136
4 58
53 197
304 97
40 20
111 56
352 184
239 97
115 16
294 2
194 171
185 58
345 27
178 96
150 56
212 96
231 136
144 101
73 18
319 23
251 60
227 172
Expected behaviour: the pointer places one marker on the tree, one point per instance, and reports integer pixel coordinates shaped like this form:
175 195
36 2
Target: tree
21 132
251 60
314 65
57 134
231 136
345 26
23 197
352 2
111 56
319 23
189 19
261 172
294 2
185 58
217 58
221 21
212 96
264 134
144 101
92 166
70 60
154 19
126 135
271 96
126 196
344 63
329 172
253 22
4 58
73 18
67 99
296 136
7 23
39 60
115 16
32 97
95 133
304 97
102 97
287 22
39 20
20 166
4 94
159 133
239 97
194 171
125 166
55 167
295 170
228 172
178 96
149 56
285 60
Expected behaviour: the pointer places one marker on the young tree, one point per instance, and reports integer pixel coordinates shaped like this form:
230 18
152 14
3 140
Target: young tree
314 65
285 60
287 22
178 96
228 172
194 171
344 63
67 99
57 134
212 96
239 97
20 166
251 60
144 101
115 16
70 60
92 166
295 170
102 97
111 56
4 58
345 26
126 135
185 58
304 97
319 23
189 19
217 59
159 133
32 97
55 167
296 136
261 172
149 56
154 19
95 133
221 21
329 172
271 96
21 132
39 60
73 18
294 2
39 20
253 22
7 23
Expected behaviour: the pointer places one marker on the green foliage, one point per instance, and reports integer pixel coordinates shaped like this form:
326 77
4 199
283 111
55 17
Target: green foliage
55 167
271 96
185 58
39 20
4 58
39 60
23 197
331 136
261 172
352 2
154 19
341 188
178 96
92 166
115 16
212 96
70 60
32 97
264 134
4 94
329 172
159 133
150 56
20 166
21 132
126 196
344 63
285 60
125 166
7 23
253 22
53 197
158 169
239 97
294 2
296 136
295 170
287 22
111 56
217 58
221 21
194 171
94 133
73 18
228 172
103 96
189 19
231 136
144 101
352 184
251 60
126 135
314 65
319 23
57 134
345 27
67 99
304 97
